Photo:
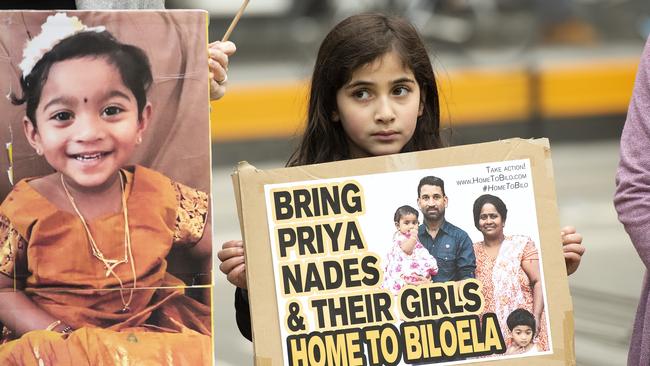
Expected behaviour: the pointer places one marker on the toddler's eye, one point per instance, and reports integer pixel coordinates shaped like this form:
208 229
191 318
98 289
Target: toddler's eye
62 116
112 110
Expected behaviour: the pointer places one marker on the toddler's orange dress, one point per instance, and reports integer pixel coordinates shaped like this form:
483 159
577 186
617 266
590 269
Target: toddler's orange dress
47 249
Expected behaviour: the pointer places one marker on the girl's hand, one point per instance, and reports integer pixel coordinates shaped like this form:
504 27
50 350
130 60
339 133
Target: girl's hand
232 264
414 232
218 53
572 247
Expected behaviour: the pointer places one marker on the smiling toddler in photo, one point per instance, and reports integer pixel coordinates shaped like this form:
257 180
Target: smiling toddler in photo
87 245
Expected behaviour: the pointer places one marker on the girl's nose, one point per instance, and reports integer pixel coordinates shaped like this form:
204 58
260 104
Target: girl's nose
89 128
385 112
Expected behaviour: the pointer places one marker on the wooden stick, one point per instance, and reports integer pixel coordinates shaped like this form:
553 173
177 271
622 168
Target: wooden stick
234 21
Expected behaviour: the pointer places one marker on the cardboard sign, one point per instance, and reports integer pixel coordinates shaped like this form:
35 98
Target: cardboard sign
331 281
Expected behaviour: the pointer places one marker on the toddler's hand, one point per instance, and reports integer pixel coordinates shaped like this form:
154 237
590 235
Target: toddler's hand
218 53
572 248
232 264
420 280
414 231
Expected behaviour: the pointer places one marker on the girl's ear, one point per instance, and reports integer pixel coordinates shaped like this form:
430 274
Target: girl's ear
143 123
32 135
421 108
396 225
336 117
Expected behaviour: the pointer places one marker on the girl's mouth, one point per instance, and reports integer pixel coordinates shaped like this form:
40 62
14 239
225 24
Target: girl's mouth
88 157
385 135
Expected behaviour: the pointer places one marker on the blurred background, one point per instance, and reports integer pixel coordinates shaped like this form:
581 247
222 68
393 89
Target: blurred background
506 68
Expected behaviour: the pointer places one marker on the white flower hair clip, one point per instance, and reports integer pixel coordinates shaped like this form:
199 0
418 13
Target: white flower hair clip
56 28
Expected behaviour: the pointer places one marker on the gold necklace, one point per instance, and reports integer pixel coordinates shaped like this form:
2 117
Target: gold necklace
110 264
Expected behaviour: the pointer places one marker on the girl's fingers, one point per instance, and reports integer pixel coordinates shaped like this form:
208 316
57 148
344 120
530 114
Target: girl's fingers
219 76
574 249
230 264
219 59
573 238
572 256
233 244
217 90
218 54
217 69
227 48
238 276
568 230
218 80
228 253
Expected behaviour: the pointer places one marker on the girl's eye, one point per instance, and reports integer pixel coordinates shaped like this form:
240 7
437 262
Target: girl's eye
401 91
361 94
112 110
62 116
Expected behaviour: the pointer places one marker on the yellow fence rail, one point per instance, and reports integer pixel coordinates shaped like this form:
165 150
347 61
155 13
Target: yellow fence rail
470 96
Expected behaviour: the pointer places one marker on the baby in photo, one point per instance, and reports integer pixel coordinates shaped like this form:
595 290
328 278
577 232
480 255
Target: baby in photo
409 262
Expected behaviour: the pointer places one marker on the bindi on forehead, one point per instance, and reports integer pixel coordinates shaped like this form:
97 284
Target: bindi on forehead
85 100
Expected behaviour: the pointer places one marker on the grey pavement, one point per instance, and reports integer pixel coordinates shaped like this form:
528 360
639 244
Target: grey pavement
605 289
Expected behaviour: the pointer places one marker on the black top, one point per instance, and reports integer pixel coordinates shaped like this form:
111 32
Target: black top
243 313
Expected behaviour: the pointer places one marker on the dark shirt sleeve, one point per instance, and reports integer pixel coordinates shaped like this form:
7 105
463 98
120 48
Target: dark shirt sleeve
466 263
243 313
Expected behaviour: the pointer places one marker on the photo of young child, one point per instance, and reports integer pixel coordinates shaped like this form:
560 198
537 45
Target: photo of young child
522 330
408 262
84 269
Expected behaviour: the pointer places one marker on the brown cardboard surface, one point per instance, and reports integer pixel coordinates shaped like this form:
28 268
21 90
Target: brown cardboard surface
250 182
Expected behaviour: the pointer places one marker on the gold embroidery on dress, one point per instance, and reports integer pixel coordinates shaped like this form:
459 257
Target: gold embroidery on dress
191 214
10 243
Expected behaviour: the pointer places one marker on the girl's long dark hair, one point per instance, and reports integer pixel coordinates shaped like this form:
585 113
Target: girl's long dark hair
353 43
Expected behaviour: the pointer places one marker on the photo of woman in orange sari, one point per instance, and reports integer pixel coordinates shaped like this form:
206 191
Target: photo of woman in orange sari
508 268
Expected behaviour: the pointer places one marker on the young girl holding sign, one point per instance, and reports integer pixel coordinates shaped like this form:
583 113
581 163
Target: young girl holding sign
83 274
373 92
407 260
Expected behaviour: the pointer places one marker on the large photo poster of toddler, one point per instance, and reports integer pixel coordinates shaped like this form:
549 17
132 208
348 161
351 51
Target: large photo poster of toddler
105 181
442 257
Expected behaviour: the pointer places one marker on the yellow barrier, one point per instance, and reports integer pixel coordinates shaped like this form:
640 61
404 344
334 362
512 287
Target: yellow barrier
468 97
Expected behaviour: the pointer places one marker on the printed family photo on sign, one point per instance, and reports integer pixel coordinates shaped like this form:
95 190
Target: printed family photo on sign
421 265
105 223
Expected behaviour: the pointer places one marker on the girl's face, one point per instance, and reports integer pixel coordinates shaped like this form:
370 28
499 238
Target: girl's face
378 108
522 335
407 223
490 221
87 121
